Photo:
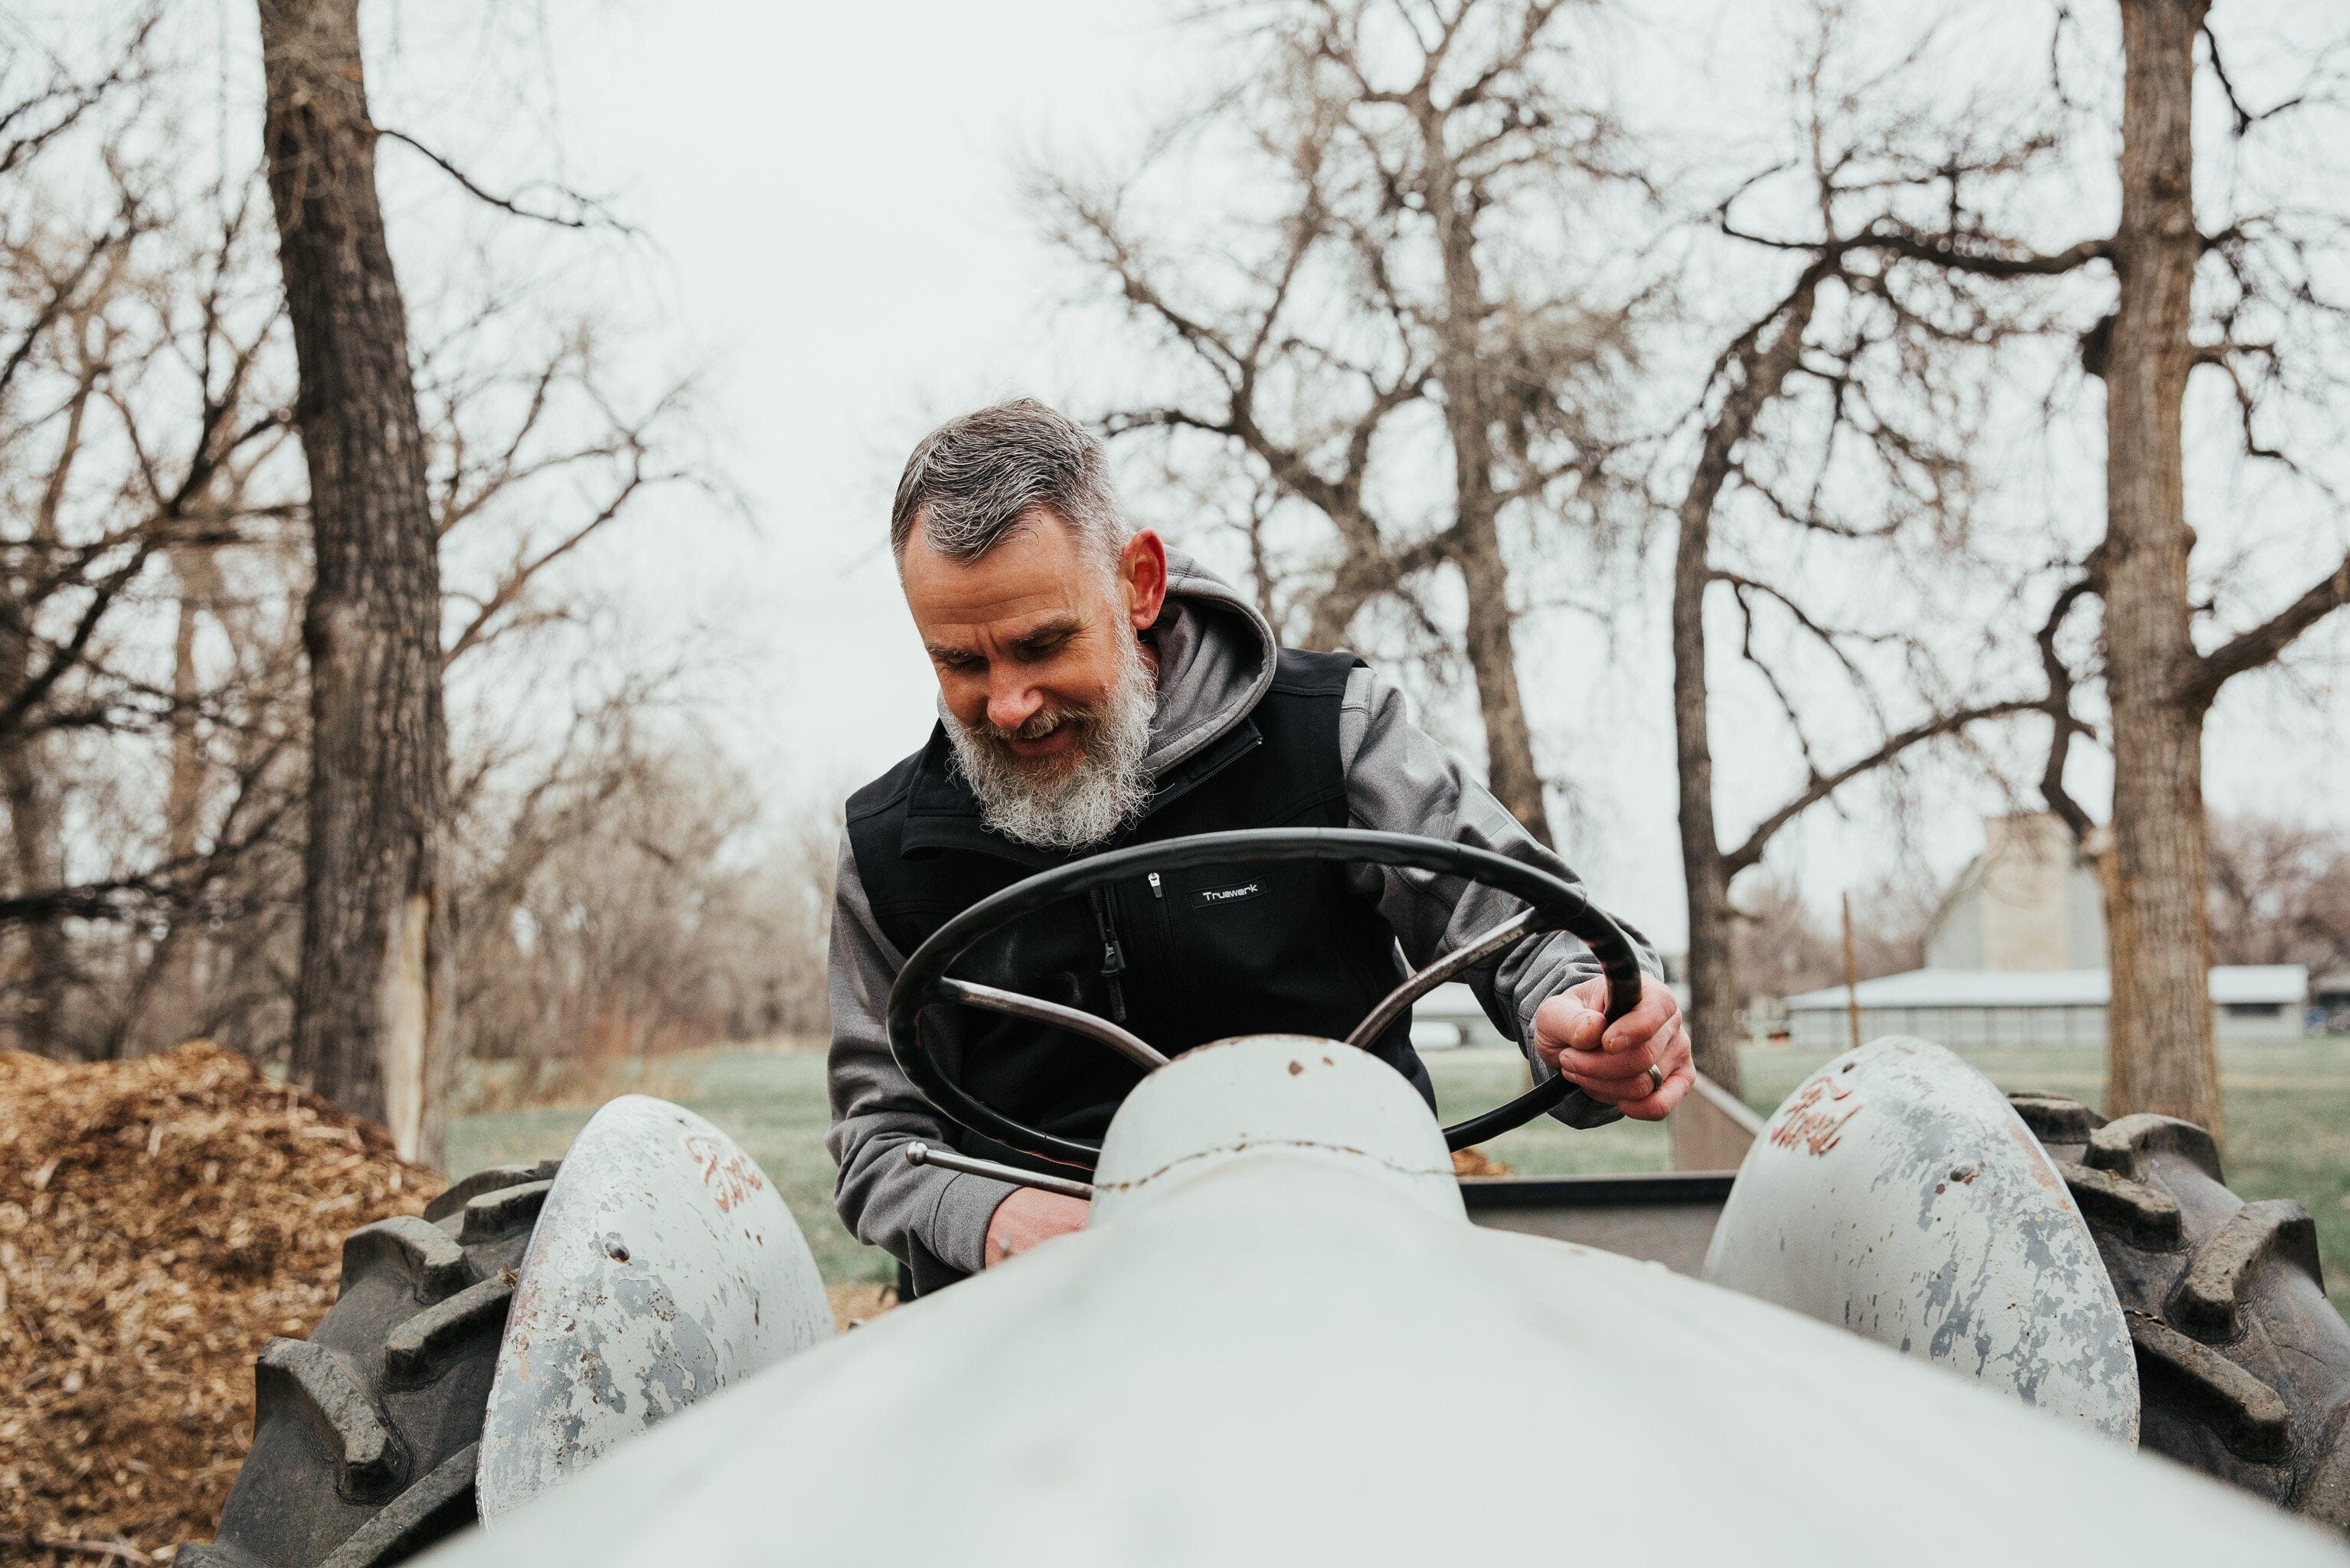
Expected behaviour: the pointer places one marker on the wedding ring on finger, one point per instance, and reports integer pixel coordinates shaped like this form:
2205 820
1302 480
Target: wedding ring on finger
1656 1079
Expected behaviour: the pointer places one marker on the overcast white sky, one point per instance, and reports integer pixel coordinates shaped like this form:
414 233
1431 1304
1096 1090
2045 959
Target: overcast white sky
830 210
832 191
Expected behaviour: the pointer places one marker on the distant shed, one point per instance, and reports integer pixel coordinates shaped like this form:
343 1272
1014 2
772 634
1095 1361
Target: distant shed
1449 1016
2037 1007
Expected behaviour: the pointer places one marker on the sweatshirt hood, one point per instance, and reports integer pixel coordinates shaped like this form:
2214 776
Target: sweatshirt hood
1216 657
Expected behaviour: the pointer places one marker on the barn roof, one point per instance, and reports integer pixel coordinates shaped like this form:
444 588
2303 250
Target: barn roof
2238 983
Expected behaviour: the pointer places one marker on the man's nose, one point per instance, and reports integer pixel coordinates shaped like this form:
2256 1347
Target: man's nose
1012 702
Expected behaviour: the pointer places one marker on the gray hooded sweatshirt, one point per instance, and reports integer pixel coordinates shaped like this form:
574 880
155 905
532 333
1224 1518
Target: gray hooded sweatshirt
1216 657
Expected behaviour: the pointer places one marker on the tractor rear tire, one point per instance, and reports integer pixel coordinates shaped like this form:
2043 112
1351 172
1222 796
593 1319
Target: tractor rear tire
364 1435
2243 1365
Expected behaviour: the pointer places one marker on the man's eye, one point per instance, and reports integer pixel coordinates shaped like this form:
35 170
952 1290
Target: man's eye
961 663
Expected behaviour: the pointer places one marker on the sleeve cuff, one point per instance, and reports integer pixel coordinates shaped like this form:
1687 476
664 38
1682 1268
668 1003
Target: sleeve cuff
958 1227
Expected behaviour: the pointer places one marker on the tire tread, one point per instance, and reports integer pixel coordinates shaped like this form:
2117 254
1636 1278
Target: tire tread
2210 1301
2250 1414
366 1435
322 1381
2244 1364
495 1214
431 1259
2126 1144
2150 1219
439 1505
418 1348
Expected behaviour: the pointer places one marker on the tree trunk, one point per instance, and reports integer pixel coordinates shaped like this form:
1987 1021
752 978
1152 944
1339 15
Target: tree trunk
1510 771
374 1002
1706 871
164 1003
40 1022
2120 1057
36 834
1470 421
2160 940
1712 1019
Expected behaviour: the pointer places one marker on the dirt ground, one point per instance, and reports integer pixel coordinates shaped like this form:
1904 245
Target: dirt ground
160 1220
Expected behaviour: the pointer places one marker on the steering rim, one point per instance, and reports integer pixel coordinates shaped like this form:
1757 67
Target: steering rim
1553 903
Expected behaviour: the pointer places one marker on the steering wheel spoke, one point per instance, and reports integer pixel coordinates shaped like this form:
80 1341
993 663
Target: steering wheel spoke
1494 938
1132 1046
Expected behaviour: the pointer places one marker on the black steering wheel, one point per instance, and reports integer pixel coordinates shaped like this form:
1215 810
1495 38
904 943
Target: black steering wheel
1552 905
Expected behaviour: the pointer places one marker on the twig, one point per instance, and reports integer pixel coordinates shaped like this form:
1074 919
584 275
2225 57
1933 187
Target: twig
592 214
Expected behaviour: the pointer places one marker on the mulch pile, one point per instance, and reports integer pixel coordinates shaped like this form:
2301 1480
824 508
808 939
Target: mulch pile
858 1302
1477 1162
159 1219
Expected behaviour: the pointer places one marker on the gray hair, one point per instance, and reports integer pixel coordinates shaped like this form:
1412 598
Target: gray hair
979 476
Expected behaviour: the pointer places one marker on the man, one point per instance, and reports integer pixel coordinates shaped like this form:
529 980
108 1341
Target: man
1097 690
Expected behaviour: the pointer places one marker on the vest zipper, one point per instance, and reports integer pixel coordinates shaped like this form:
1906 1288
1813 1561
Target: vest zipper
1166 919
1113 955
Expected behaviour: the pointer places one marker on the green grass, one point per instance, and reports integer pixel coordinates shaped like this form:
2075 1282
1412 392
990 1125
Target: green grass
1468 1082
2288 1126
770 1102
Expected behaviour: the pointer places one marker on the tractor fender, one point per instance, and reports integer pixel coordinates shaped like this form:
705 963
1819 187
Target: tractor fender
1266 1350
664 1267
1897 1194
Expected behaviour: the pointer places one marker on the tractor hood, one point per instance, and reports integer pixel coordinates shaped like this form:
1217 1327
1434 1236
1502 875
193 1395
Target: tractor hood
1280 1344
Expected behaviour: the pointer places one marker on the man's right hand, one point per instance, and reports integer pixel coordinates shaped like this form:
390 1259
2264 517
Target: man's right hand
1030 1218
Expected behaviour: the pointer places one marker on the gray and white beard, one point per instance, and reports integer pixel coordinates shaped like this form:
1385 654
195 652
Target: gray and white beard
1105 791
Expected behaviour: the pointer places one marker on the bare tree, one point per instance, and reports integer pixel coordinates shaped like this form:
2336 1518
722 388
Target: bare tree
151 554
2280 893
1398 299
1831 445
2264 319
1780 946
633 903
537 451
2242 298
139 429
374 1020
2161 686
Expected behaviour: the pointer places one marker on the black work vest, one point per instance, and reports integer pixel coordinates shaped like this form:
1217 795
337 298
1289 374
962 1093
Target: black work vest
1182 958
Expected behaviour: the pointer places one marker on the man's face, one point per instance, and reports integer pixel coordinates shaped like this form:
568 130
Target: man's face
1046 691
1031 639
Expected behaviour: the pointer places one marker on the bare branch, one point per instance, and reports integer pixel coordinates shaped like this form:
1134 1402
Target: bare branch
1750 852
588 213
2058 702
2245 118
2262 644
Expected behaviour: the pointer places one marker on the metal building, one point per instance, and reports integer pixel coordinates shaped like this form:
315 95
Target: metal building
1963 1008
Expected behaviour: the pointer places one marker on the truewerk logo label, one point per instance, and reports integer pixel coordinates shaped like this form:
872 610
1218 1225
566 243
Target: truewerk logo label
1226 895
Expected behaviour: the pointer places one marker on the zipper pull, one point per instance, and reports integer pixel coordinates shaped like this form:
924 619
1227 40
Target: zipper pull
1114 965
1113 959
1156 890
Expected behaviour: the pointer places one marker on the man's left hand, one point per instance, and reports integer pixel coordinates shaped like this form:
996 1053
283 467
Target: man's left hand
1611 1062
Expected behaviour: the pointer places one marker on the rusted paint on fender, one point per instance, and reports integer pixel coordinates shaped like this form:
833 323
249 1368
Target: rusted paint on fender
1814 1116
1896 1193
664 1267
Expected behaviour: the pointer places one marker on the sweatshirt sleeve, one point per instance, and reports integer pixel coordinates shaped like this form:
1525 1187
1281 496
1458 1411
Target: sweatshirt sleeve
877 1111
1400 779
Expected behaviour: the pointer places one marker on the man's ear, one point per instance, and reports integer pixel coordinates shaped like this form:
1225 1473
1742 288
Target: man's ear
1142 573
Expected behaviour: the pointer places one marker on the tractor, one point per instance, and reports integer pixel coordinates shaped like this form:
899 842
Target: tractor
1922 1322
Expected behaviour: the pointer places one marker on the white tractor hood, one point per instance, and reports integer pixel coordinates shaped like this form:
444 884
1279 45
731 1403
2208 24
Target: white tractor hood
1283 1343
